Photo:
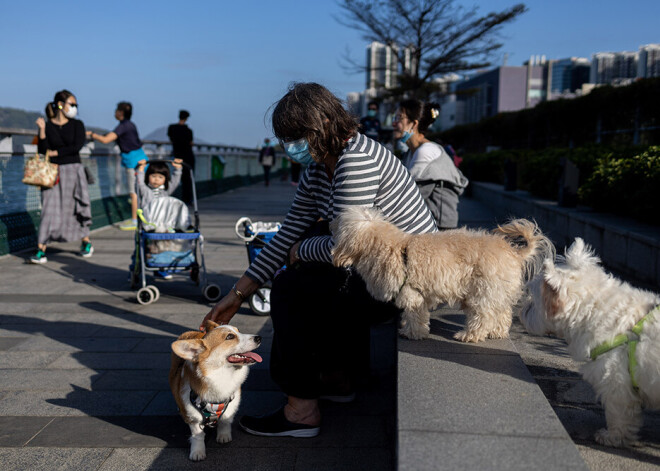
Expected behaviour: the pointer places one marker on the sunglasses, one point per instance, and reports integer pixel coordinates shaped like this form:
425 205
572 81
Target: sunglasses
75 105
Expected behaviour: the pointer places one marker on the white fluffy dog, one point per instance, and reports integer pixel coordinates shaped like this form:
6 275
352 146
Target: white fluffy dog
481 271
599 316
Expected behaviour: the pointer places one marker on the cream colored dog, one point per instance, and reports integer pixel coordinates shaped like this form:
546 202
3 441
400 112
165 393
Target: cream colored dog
205 378
481 271
599 316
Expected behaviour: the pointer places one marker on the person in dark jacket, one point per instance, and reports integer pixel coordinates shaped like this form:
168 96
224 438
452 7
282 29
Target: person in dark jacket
267 159
181 137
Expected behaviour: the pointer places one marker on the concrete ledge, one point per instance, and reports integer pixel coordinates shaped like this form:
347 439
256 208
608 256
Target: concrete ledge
467 406
623 244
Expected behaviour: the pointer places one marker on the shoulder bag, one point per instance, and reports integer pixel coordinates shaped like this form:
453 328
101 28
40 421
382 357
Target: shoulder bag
40 172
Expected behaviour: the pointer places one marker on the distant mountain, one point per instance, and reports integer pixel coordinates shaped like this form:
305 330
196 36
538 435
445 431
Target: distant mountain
15 118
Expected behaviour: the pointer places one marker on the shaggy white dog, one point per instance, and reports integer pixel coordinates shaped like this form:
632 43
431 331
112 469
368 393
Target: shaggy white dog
599 316
481 271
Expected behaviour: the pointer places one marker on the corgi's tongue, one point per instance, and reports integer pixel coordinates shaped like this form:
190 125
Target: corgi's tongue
247 357
255 356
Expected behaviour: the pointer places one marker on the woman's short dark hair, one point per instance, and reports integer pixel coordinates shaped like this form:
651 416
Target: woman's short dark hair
51 108
126 108
183 114
424 113
311 111
158 167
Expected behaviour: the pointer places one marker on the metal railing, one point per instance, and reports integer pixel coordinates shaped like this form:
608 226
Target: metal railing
104 161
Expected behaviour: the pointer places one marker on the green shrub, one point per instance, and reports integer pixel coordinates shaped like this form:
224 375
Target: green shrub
622 181
627 185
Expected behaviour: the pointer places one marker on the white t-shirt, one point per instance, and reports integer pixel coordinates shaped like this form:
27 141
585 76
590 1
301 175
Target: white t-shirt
424 154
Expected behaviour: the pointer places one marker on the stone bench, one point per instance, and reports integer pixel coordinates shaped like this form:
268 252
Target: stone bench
473 406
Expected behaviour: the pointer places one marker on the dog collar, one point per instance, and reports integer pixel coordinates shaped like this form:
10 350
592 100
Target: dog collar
211 412
632 339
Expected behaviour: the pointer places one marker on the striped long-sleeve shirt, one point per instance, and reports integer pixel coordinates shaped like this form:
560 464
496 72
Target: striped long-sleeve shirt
366 174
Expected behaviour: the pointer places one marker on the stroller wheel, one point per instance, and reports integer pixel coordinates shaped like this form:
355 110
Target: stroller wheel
260 301
156 292
146 295
211 292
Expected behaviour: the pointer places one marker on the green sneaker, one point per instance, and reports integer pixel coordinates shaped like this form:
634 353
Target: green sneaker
128 226
86 249
39 257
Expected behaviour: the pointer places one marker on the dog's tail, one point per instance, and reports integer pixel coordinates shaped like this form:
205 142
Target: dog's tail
526 237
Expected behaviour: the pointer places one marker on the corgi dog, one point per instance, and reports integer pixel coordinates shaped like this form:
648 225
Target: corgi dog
207 371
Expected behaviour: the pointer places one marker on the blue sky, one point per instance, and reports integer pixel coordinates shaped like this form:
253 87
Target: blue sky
227 62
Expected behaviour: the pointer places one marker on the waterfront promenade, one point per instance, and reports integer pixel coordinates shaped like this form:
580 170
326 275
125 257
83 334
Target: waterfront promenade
83 380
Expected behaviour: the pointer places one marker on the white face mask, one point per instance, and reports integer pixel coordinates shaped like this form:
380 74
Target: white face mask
73 111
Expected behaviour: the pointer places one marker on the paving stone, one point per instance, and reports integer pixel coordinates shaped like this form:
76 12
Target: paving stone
78 402
7 343
17 431
425 450
34 360
111 360
46 379
337 459
132 380
113 432
53 459
176 459
76 344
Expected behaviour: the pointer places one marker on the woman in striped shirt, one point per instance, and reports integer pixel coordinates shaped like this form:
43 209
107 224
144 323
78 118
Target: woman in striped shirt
321 314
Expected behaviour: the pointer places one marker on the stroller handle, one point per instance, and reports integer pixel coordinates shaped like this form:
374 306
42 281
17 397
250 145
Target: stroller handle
241 235
170 161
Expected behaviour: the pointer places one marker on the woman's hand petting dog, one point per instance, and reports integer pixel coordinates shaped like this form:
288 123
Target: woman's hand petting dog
225 309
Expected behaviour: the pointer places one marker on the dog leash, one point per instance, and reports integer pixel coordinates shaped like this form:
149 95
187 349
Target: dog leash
211 412
632 339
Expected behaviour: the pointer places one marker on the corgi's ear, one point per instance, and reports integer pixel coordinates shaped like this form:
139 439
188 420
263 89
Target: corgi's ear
551 300
189 349
209 326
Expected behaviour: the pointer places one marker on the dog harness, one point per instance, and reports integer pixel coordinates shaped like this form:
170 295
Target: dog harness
211 412
632 339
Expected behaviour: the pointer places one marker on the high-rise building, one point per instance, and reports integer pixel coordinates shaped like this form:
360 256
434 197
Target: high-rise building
567 75
613 67
502 89
648 62
382 66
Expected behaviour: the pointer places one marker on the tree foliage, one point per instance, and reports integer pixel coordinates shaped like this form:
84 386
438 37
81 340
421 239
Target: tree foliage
440 36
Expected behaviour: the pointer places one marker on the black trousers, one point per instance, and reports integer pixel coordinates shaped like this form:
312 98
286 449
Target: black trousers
321 317
266 174
186 182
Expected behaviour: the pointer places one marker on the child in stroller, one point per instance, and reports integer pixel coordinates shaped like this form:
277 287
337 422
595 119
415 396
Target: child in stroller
157 183
165 239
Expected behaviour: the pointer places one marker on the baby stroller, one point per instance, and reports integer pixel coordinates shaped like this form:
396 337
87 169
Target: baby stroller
165 241
256 235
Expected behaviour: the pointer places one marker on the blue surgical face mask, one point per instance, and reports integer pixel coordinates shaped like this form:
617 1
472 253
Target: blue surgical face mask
371 113
406 135
298 151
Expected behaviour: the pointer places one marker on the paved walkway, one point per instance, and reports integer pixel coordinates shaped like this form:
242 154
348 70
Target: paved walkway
84 367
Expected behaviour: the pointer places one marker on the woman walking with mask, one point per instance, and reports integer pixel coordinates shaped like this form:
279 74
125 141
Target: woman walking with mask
65 208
